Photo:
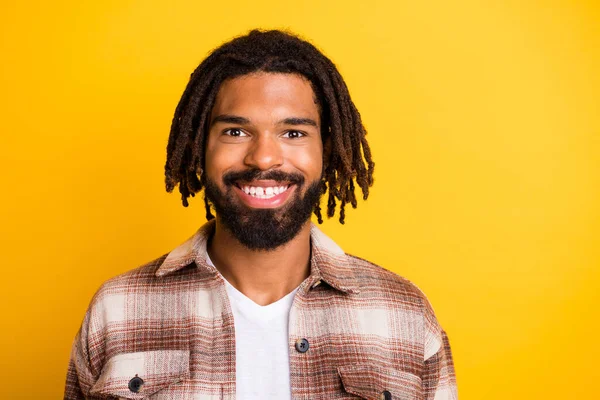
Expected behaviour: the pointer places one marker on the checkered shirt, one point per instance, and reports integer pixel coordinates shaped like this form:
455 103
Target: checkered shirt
165 330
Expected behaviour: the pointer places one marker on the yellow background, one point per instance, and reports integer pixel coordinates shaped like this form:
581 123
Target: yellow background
483 120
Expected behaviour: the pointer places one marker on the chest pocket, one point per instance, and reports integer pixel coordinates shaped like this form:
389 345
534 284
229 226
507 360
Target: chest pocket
141 375
378 383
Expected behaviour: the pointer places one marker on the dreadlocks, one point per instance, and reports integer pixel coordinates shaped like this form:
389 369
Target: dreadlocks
271 51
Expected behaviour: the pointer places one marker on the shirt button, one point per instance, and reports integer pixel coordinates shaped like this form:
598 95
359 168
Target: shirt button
302 345
385 395
135 384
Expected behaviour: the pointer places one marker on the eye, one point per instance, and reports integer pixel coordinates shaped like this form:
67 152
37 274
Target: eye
294 134
234 132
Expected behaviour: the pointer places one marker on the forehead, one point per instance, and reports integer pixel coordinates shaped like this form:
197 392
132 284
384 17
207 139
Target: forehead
266 94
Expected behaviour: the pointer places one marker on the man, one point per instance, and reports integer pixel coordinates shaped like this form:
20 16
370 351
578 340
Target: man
259 303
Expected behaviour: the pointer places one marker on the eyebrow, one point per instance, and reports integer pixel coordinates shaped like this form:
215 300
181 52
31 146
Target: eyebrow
231 119
298 121
235 119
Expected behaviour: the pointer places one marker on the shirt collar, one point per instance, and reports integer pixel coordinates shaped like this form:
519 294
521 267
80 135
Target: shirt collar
329 262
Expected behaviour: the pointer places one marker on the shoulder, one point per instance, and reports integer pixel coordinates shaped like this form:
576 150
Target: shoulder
394 292
373 279
138 277
111 301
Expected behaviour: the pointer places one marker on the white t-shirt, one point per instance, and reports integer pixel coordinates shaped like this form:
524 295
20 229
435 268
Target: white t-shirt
261 346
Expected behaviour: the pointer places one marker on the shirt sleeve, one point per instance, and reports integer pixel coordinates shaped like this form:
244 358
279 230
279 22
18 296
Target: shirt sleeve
80 378
87 353
439 379
72 389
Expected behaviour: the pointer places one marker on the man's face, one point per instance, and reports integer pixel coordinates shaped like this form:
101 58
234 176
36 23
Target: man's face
264 157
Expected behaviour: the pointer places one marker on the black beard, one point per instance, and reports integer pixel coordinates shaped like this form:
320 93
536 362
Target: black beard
267 228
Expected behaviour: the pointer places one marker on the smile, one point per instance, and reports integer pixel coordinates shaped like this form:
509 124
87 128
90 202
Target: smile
264 192
264 195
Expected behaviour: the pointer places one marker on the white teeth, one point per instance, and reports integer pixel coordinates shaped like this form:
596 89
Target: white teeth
264 192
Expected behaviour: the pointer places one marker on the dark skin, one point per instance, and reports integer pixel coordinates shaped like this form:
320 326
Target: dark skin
264 121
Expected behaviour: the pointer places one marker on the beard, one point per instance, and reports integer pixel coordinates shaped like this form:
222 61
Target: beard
263 228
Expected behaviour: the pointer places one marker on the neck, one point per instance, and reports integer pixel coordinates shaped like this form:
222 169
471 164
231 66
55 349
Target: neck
263 276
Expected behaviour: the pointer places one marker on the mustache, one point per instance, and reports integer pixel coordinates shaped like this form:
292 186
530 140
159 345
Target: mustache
256 174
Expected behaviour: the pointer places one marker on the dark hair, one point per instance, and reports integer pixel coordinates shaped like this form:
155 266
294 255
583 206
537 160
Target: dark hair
349 158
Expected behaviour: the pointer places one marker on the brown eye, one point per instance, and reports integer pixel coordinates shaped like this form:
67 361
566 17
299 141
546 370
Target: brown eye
234 132
293 134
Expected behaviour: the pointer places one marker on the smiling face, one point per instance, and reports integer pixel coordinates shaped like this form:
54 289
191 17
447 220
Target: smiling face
264 157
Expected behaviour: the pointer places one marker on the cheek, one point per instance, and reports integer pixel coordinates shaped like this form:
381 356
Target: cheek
220 158
308 160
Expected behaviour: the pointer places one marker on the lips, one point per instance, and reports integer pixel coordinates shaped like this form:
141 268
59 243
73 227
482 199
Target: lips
264 194
262 191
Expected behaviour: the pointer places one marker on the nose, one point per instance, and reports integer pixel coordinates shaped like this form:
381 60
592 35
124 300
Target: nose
264 153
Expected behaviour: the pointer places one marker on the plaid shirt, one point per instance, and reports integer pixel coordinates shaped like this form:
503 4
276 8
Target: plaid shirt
165 331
